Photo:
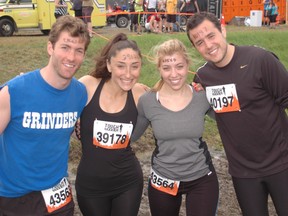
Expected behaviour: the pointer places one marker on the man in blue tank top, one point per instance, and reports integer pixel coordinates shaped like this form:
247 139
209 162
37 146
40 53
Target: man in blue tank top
38 111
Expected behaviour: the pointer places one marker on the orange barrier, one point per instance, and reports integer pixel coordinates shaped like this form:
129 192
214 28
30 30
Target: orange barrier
278 19
222 20
143 12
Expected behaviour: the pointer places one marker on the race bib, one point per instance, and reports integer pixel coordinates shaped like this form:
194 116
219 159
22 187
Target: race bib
223 98
164 184
111 135
57 196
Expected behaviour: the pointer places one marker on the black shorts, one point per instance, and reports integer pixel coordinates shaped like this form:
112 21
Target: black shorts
32 204
273 18
86 13
136 19
171 18
266 13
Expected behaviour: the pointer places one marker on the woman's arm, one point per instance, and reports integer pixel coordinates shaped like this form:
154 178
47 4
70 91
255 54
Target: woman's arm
142 122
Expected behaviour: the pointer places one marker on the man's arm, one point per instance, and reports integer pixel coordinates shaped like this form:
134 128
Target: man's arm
5 110
142 122
182 5
196 6
275 79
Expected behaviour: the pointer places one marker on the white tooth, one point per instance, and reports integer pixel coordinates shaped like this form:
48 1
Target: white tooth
212 52
69 65
127 81
174 81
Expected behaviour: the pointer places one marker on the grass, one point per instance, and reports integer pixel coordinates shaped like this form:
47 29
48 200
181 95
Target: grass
25 53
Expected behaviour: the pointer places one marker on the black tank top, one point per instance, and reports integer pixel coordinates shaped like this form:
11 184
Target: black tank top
104 172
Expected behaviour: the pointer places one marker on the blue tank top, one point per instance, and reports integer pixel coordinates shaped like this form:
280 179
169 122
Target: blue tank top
35 144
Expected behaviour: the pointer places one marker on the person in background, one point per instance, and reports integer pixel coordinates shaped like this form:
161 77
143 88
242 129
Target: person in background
109 179
265 13
77 7
60 8
133 23
180 6
154 23
38 111
181 163
247 88
87 9
273 13
197 8
151 7
171 9
162 10
139 5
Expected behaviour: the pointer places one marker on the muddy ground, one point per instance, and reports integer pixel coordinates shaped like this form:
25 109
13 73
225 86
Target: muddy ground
143 148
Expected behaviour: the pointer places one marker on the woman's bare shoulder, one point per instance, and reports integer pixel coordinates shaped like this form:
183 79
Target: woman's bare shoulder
89 80
91 83
138 90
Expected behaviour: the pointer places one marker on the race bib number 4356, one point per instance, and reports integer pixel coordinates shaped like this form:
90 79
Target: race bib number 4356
111 135
223 98
57 196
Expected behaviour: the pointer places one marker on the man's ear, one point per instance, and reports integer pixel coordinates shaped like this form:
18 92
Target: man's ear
50 48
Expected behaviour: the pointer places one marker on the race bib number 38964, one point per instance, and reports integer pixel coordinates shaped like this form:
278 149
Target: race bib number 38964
223 98
111 135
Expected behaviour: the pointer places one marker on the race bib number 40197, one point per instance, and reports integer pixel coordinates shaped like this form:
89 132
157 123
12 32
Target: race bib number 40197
223 98
111 135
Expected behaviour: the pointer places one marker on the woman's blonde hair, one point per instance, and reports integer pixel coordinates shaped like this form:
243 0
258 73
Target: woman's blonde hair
164 49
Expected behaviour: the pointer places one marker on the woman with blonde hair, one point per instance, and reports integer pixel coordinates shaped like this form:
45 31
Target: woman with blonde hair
181 162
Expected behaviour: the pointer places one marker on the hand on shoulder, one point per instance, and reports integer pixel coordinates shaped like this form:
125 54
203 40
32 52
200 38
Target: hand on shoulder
197 86
91 83
138 90
141 87
89 80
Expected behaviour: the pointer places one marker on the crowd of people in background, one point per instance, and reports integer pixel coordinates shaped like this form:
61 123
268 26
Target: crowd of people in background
161 16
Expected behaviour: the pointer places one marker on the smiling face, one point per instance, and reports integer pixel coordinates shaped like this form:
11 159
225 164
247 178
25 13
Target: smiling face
125 68
66 56
210 43
174 70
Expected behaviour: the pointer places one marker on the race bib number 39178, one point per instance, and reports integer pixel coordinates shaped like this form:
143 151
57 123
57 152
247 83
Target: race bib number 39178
223 98
111 135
